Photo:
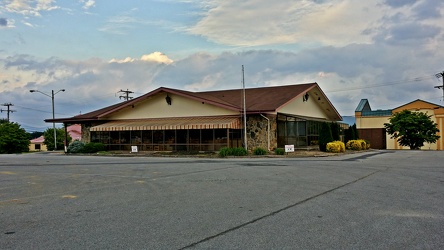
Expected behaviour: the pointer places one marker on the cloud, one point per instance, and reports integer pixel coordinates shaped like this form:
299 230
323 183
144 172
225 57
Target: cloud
428 9
387 75
29 7
230 22
122 23
156 57
88 3
399 3
3 22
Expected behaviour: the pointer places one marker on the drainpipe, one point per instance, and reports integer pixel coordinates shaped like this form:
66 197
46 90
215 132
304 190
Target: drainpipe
268 131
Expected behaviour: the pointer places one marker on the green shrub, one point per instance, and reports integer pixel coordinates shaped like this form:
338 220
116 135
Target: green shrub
223 152
93 147
335 131
279 151
259 151
75 147
239 151
336 147
325 136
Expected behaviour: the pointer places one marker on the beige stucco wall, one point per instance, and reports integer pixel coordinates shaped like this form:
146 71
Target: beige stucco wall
157 107
42 147
371 121
309 108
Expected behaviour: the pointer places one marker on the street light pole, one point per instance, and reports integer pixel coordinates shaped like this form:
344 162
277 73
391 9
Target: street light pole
53 111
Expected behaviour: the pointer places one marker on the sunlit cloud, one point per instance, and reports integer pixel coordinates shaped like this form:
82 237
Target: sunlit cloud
156 57
29 7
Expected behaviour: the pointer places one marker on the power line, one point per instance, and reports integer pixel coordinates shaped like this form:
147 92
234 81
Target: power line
416 79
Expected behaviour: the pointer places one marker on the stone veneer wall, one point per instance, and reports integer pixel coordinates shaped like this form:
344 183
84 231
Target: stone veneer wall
257 134
86 134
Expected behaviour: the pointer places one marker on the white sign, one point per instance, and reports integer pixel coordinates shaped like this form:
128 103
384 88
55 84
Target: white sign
133 149
289 148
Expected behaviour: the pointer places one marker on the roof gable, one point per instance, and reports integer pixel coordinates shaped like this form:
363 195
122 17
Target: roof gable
417 104
363 105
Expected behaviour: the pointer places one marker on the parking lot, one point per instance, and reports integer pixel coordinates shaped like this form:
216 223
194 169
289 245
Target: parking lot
369 200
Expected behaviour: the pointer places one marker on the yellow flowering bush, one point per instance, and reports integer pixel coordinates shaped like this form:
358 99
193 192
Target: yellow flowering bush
358 144
336 147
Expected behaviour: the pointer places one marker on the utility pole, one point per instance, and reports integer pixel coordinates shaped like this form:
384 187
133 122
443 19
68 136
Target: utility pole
126 94
441 75
8 110
53 113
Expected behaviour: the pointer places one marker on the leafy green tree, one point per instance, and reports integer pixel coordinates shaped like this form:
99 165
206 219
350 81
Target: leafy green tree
412 129
49 138
13 138
325 136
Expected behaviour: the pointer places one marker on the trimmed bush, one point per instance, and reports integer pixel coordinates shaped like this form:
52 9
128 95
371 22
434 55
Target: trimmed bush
93 147
367 144
357 145
223 152
259 151
75 147
336 147
279 151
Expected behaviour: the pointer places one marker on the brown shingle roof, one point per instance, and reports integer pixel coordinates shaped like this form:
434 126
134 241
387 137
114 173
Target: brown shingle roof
265 99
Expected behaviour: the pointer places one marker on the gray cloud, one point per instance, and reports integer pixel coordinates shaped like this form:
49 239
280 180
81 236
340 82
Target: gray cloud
3 22
411 33
399 3
428 9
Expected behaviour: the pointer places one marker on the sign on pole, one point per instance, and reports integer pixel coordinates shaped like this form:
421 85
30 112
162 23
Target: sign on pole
289 148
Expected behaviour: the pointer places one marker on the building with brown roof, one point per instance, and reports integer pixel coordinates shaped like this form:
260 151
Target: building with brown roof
169 119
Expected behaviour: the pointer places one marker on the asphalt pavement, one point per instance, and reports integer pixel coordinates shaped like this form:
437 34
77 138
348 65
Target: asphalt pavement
370 200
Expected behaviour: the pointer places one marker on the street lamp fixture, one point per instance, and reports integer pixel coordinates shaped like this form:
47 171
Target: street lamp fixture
53 114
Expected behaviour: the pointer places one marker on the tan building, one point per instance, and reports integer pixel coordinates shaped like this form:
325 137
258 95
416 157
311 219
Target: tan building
37 144
171 120
370 123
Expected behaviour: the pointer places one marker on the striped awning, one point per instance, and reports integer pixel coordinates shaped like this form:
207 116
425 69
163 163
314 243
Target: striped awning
171 124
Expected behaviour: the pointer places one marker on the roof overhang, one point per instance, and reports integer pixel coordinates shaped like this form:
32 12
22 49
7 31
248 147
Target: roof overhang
222 122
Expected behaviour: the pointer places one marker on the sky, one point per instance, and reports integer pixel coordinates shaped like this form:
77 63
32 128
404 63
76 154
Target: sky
386 51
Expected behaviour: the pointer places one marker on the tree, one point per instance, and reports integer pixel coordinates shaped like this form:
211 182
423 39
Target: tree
335 131
49 138
412 129
325 136
351 133
34 135
13 138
